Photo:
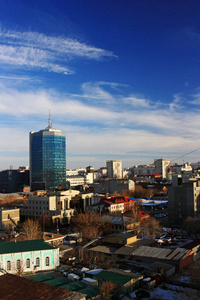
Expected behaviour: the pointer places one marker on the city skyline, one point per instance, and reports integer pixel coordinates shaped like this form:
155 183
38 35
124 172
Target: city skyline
121 79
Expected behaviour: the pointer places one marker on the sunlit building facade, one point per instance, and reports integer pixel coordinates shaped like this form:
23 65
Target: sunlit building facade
114 169
47 158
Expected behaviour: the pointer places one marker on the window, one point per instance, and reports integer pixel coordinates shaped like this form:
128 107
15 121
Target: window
8 265
28 263
47 261
37 262
18 264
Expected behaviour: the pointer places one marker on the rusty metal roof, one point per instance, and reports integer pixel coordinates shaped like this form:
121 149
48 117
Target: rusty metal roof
162 253
15 287
104 249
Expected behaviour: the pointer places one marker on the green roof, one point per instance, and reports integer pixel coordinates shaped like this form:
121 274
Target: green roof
24 246
114 277
90 291
58 281
43 277
74 286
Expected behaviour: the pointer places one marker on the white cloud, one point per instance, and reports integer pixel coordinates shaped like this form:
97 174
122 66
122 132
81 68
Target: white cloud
86 146
196 98
74 108
94 91
35 50
109 129
136 102
175 104
14 77
62 45
13 139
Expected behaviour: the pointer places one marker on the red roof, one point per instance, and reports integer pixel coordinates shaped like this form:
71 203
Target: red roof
116 200
143 215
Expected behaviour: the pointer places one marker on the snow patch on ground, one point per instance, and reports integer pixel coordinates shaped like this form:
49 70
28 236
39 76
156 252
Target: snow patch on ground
165 294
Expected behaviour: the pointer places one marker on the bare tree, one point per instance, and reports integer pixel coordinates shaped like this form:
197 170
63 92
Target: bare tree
45 222
89 224
107 290
32 229
142 192
20 269
151 227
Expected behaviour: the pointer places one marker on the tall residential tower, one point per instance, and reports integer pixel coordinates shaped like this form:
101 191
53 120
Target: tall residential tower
47 158
114 169
161 166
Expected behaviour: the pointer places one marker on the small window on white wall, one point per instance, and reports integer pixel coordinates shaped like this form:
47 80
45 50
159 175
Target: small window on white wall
18 264
47 261
37 262
8 265
28 263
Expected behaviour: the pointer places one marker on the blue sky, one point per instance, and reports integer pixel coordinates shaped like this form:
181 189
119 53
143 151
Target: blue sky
121 78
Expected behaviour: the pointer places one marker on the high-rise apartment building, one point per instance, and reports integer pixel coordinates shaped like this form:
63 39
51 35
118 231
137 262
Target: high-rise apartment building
114 168
161 166
47 158
183 199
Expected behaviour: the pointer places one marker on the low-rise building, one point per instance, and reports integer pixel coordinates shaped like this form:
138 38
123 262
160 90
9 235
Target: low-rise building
53 239
124 282
12 181
178 257
120 223
28 256
55 205
143 170
77 180
113 185
113 205
9 218
120 238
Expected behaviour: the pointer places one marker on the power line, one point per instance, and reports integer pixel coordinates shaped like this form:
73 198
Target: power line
186 154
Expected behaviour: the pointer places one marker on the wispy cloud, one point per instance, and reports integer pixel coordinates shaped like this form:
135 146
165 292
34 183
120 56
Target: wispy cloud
14 77
96 91
176 103
136 102
110 110
109 127
196 97
35 50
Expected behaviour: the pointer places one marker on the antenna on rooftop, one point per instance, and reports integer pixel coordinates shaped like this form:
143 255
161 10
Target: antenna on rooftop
50 124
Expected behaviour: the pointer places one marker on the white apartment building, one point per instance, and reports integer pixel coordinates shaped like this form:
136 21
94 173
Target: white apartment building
114 169
161 166
75 172
80 180
112 208
55 205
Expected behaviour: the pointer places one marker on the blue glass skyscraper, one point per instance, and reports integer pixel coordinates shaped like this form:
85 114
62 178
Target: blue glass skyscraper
47 158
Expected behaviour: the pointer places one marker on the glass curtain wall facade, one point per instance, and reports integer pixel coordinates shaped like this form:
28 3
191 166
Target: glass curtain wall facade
47 159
